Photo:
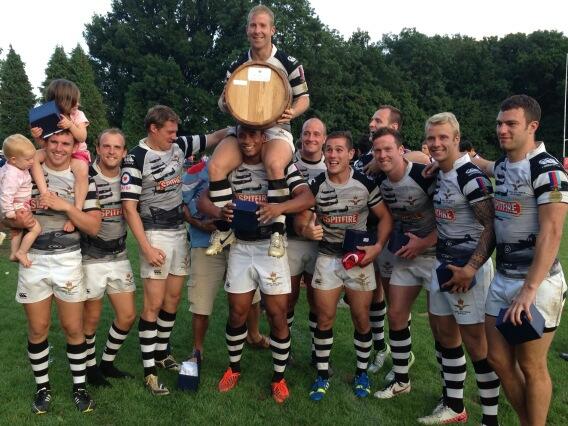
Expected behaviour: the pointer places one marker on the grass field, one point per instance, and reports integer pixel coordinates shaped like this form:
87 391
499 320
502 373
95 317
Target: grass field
127 402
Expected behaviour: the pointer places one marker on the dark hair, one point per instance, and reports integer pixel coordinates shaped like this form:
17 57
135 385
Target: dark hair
341 134
383 131
395 114
465 145
65 93
528 104
158 115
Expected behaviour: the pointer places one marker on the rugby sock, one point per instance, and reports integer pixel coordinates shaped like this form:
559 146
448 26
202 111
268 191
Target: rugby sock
488 387
77 356
363 344
115 339
401 345
165 325
38 354
147 334
453 364
91 355
313 323
290 319
220 193
323 341
280 352
235 338
438 347
377 314
278 192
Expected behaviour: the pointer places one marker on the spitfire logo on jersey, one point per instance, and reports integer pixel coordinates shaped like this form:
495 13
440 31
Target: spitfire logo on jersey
111 212
508 207
256 198
164 184
340 220
445 214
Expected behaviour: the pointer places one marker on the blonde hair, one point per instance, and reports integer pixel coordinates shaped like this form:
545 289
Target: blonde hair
260 8
17 145
65 93
443 118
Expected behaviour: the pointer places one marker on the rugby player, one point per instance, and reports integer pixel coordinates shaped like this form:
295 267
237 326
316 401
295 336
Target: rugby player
105 262
408 195
463 205
302 252
531 196
56 272
152 205
344 198
250 266
277 154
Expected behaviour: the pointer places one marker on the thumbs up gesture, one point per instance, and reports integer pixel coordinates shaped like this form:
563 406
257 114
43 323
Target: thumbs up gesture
312 230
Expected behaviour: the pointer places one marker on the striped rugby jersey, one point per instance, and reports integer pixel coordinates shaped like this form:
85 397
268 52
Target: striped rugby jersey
153 178
455 192
342 207
521 187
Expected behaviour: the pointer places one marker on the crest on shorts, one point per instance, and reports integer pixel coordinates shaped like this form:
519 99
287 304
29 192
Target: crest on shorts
69 287
273 278
362 279
129 278
460 306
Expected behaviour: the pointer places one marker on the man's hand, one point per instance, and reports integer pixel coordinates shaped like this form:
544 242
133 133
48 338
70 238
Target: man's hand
267 212
413 248
371 168
227 212
370 253
154 256
430 169
286 116
312 231
53 201
461 278
521 303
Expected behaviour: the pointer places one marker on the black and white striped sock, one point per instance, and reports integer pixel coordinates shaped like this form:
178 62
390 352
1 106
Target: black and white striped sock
280 352
488 387
401 345
377 313
438 347
220 193
115 339
278 192
77 356
147 334
235 339
165 324
323 341
453 363
91 350
363 344
312 324
38 354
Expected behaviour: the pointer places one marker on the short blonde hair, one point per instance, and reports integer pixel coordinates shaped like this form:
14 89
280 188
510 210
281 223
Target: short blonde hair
17 145
260 8
443 118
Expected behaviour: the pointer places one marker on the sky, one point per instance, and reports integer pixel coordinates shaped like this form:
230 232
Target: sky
35 27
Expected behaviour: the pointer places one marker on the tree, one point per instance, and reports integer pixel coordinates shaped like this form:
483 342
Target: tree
57 67
16 96
92 104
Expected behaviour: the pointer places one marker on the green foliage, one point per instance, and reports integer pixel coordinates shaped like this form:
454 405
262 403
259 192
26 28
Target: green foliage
57 67
81 73
16 97
196 40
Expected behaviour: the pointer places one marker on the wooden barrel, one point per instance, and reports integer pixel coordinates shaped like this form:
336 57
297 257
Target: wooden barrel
257 93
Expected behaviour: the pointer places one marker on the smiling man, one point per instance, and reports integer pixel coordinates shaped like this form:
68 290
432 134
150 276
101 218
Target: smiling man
250 267
152 203
105 262
278 151
344 199
56 272
463 205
